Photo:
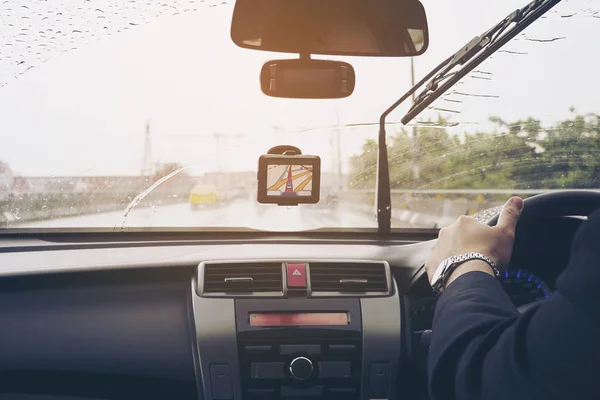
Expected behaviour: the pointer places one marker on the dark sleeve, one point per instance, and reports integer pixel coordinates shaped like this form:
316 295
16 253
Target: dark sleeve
482 348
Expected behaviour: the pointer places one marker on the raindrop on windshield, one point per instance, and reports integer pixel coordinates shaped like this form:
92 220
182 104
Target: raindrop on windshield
75 21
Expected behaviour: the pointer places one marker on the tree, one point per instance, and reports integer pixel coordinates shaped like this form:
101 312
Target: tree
520 155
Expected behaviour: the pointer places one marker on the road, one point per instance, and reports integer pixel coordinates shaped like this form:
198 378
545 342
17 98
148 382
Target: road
240 213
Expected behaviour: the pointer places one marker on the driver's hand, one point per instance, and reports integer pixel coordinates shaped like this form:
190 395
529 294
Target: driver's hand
468 235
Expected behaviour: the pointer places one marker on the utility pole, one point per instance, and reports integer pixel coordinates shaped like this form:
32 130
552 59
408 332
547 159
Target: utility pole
338 152
218 137
147 168
415 143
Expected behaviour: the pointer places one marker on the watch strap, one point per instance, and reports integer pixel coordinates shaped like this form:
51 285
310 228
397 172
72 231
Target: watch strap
451 263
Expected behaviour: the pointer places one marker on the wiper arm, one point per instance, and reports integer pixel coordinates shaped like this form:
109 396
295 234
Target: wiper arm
446 75
442 78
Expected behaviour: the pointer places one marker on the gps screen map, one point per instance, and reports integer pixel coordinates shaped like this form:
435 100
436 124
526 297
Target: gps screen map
289 180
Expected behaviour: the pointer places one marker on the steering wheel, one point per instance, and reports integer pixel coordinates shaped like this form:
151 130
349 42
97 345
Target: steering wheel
547 205
557 204
554 205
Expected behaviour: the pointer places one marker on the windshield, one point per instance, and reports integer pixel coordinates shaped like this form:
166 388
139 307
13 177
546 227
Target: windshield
145 114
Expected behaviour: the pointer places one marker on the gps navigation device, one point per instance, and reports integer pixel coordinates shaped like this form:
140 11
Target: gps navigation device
289 180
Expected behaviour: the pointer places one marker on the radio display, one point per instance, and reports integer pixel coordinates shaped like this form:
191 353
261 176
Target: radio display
298 319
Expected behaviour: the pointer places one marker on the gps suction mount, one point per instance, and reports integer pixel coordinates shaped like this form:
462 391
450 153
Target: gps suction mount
285 150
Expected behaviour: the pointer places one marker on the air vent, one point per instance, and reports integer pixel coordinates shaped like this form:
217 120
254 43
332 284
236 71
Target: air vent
241 278
349 277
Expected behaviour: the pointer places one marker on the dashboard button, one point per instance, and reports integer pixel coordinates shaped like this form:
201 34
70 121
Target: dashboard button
296 276
258 349
312 391
260 394
266 370
220 381
379 381
334 370
342 392
288 349
341 348
301 368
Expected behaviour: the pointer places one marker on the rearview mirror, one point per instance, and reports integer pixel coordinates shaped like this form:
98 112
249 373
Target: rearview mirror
390 28
307 79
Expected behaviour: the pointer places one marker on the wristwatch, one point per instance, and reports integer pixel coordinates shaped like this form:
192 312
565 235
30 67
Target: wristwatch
448 265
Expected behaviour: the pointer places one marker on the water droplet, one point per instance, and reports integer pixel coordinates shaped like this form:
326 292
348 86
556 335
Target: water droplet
17 214
44 207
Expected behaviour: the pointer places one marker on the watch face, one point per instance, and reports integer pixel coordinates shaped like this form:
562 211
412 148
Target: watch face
439 272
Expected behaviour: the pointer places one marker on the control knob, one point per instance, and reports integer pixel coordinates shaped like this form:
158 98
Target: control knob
301 368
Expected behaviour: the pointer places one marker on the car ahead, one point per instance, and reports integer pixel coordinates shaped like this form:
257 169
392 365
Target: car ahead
204 196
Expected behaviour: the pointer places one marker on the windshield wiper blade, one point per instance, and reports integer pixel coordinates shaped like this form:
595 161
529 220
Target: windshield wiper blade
446 75
442 78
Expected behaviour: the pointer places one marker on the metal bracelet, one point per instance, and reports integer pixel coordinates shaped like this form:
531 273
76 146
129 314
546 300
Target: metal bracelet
454 261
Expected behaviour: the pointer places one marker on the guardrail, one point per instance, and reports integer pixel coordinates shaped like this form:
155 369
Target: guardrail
40 198
466 191
436 208
38 207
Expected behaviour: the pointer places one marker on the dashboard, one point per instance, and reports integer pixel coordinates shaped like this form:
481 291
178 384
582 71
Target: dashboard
222 318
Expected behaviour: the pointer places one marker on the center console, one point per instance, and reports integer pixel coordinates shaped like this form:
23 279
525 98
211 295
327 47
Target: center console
301 348
296 344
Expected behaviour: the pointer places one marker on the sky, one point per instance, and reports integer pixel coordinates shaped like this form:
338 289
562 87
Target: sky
84 110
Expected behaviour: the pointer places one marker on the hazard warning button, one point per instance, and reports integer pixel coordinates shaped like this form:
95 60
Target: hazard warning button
296 276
